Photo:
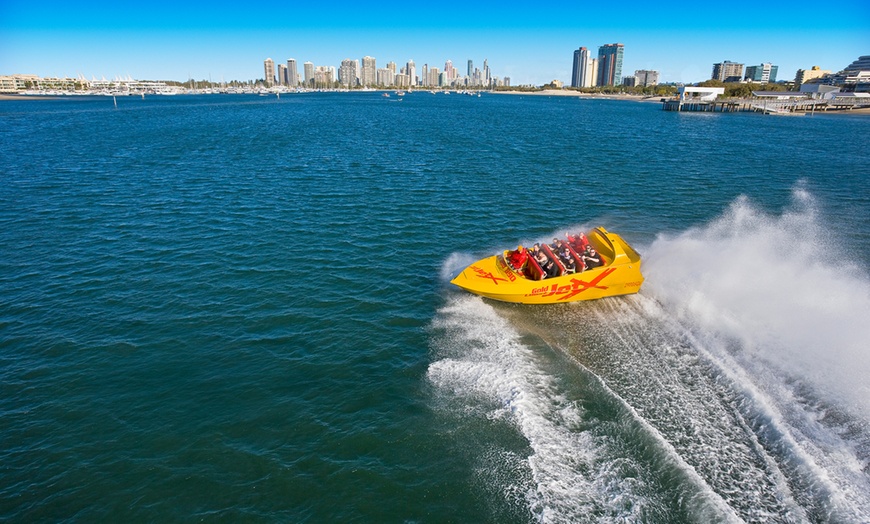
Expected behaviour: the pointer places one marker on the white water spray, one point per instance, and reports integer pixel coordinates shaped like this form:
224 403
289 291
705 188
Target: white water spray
780 285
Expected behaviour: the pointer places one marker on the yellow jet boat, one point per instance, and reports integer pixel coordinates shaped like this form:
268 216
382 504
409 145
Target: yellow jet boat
567 279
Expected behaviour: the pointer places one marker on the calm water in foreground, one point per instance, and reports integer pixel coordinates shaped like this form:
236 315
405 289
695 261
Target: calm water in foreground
237 308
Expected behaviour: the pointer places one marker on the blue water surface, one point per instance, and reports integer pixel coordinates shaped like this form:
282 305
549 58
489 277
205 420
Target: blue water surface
221 307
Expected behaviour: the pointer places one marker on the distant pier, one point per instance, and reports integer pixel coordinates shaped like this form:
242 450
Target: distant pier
760 105
709 100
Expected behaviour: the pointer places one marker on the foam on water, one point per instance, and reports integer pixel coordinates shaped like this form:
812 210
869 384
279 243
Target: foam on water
777 305
781 285
574 470
483 361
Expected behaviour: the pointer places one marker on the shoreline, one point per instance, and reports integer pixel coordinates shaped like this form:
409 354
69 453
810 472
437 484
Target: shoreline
546 92
578 94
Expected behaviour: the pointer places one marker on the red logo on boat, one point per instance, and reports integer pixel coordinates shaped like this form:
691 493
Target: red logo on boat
487 274
577 286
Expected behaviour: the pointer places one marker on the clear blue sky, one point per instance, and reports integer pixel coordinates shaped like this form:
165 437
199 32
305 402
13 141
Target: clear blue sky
531 42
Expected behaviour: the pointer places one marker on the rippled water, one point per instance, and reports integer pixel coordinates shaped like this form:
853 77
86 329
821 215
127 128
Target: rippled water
236 308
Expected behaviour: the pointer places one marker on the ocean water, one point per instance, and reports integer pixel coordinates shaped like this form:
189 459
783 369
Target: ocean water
237 308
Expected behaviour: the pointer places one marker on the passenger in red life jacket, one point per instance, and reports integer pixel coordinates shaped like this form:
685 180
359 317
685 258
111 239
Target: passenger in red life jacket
591 258
578 242
518 258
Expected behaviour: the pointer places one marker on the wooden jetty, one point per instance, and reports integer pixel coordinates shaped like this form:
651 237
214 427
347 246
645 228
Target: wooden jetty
766 105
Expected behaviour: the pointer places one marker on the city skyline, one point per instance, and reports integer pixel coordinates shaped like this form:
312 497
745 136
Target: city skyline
172 42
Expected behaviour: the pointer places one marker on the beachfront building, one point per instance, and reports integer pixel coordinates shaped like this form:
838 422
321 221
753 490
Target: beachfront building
449 73
14 83
368 74
324 77
727 71
629 81
402 81
292 73
610 64
764 73
805 75
282 74
386 77
308 72
347 73
581 75
646 77
411 71
269 71
433 77
855 77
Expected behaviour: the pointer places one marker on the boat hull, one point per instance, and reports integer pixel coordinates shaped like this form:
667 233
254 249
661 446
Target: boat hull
493 278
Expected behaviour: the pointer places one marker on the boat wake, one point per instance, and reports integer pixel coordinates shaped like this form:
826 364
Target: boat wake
731 389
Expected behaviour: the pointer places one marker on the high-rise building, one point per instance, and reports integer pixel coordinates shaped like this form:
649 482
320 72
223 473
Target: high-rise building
487 74
308 71
804 75
761 73
282 74
386 77
424 76
292 73
470 69
646 77
591 73
610 64
411 71
581 64
368 73
434 77
727 71
324 77
348 73
269 71
585 69
449 72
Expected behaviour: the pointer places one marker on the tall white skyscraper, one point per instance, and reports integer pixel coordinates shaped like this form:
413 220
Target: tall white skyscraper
411 71
292 73
591 72
580 71
449 72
